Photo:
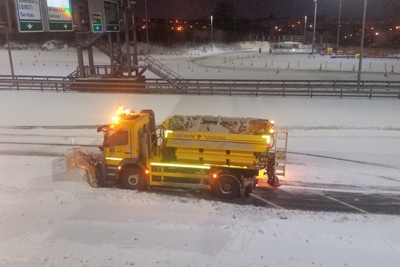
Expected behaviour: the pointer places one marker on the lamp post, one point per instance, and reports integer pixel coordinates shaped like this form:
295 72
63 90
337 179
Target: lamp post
338 28
7 37
212 34
305 29
128 48
315 22
362 44
135 56
147 27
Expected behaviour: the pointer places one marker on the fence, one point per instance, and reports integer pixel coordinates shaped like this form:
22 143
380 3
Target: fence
281 88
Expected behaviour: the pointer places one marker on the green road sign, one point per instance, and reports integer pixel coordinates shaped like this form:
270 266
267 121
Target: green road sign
60 26
97 23
30 26
60 15
29 16
112 28
111 13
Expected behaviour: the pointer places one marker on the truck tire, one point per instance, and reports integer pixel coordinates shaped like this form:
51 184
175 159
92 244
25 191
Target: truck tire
133 178
227 187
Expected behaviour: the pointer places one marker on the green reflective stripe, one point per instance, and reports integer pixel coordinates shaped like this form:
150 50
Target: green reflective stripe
114 158
180 165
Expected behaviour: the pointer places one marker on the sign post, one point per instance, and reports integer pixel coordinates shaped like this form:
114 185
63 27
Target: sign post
29 16
59 15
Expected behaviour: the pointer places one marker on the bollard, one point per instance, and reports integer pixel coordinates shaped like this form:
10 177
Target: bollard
354 68
340 64
288 65
298 63
370 65
277 71
320 67
392 69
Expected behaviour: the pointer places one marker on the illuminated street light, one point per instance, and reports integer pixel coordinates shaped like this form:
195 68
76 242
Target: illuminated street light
147 27
315 22
305 29
212 34
135 56
338 29
362 44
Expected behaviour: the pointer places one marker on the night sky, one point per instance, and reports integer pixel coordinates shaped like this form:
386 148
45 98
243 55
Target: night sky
254 9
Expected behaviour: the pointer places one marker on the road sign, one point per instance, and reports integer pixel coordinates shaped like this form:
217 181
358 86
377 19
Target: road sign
59 14
97 23
29 16
111 14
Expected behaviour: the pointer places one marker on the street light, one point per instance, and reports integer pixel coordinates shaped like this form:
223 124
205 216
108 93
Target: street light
362 44
135 59
212 34
305 29
338 27
147 27
8 29
315 22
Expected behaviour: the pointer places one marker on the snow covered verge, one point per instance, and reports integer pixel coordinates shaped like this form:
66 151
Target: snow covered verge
57 223
51 218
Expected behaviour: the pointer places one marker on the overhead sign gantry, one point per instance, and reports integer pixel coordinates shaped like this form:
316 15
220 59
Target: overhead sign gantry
44 15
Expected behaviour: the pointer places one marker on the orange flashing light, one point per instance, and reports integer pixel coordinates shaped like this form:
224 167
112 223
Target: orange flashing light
120 111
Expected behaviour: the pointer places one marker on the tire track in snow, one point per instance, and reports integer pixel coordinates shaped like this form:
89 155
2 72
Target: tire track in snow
347 160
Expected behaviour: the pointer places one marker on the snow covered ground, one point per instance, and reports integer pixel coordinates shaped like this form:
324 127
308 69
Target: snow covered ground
48 220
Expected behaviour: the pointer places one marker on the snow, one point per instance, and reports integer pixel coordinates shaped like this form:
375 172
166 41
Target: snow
52 218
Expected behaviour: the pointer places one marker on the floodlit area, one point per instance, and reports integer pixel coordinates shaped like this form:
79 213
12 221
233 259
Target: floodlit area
49 217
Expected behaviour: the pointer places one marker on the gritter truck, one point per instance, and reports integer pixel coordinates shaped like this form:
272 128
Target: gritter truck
227 155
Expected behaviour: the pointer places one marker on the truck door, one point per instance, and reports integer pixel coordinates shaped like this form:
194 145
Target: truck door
118 145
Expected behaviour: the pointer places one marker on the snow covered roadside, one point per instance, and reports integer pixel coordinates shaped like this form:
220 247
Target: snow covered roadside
62 229
48 222
48 219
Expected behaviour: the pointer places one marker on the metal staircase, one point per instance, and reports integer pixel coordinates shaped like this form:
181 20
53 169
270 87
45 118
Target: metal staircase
150 63
116 54
162 71
280 150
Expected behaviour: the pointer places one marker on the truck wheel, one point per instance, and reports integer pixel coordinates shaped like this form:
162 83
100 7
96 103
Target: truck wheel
227 187
133 178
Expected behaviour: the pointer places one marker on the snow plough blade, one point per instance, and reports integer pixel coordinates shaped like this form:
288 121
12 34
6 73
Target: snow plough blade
80 158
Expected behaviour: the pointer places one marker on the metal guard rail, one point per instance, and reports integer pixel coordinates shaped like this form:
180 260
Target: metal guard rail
283 88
